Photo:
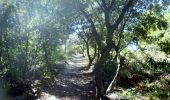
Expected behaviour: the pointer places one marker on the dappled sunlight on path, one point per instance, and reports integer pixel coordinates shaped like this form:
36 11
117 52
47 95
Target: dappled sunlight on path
72 83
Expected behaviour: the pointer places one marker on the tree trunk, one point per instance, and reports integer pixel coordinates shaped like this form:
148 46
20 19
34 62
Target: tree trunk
120 61
95 52
88 54
89 63
98 54
65 47
98 69
91 59
100 91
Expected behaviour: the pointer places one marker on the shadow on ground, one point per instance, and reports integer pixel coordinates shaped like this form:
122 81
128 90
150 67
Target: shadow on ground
71 83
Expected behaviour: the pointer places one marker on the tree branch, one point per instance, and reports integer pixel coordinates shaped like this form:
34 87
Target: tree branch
104 4
100 5
122 14
111 5
122 29
94 31
109 36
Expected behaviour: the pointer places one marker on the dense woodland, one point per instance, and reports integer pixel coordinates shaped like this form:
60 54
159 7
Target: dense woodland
126 44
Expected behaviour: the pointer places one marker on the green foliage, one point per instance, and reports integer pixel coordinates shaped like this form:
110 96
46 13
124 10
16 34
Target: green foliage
58 54
149 91
30 40
129 94
74 49
165 46
110 68
33 34
162 66
149 22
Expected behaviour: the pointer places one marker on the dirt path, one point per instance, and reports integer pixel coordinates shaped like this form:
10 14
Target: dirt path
72 83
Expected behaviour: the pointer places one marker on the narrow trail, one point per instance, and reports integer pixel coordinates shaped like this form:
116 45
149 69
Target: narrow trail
73 83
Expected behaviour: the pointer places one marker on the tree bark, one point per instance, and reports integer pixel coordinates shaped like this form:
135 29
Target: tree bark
98 70
88 53
65 47
95 52
100 91
91 59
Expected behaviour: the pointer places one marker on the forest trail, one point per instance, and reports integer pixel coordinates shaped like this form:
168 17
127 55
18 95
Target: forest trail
73 83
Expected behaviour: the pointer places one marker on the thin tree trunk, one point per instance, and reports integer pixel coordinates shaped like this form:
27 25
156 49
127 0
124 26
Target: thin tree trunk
95 52
98 54
84 53
88 53
91 59
112 84
65 47
120 61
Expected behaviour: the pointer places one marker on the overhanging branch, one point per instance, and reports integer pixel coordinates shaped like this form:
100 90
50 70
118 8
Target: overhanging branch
104 4
118 21
94 31
100 5
111 5
122 14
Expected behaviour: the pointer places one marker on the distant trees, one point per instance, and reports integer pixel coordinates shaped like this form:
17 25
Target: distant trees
89 41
